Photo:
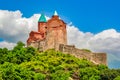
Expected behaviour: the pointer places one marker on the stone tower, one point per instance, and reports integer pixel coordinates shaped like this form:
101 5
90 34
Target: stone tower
56 32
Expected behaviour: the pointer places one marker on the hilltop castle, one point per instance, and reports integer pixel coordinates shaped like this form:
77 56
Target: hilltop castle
52 34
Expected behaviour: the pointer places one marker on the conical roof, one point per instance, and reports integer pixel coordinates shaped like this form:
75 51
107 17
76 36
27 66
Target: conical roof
55 13
42 18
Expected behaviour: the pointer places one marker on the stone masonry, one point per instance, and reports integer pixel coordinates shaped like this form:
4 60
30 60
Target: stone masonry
52 34
97 58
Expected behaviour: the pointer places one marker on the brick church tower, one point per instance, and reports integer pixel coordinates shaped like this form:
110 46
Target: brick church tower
50 33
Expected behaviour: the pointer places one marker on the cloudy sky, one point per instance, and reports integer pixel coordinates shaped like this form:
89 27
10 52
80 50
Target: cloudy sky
91 24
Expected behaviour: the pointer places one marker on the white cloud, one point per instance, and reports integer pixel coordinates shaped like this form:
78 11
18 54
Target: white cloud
77 37
14 28
8 45
106 41
110 33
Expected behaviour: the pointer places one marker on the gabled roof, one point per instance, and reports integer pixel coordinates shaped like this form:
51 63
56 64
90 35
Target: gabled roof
42 18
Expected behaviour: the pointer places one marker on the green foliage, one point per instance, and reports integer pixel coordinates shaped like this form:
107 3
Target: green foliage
11 71
109 74
18 55
89 73
101 67
26 63
3 53
19 45
39 76
1 76
117 78
60 75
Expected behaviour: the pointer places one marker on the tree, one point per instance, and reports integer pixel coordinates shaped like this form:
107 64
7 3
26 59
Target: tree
60 75
10 71
39 76
19 45
89 73
117 78
109 74
3 53
20 54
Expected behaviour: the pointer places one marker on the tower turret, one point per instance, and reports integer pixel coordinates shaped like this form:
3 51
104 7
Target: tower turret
42 24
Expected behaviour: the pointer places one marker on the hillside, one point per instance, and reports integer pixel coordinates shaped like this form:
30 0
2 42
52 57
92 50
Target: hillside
28 64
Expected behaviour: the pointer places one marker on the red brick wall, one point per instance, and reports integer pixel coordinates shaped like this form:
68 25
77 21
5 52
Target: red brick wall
42 27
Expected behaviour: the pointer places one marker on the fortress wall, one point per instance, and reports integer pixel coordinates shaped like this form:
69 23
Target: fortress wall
100 58
97 58
74 51
40 45
33 44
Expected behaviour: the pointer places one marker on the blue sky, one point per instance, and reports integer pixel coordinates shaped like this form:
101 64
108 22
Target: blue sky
95 23
88 15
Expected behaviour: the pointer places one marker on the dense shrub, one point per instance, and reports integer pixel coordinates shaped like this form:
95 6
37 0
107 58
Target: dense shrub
89 73
60 75
117 78
109 74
